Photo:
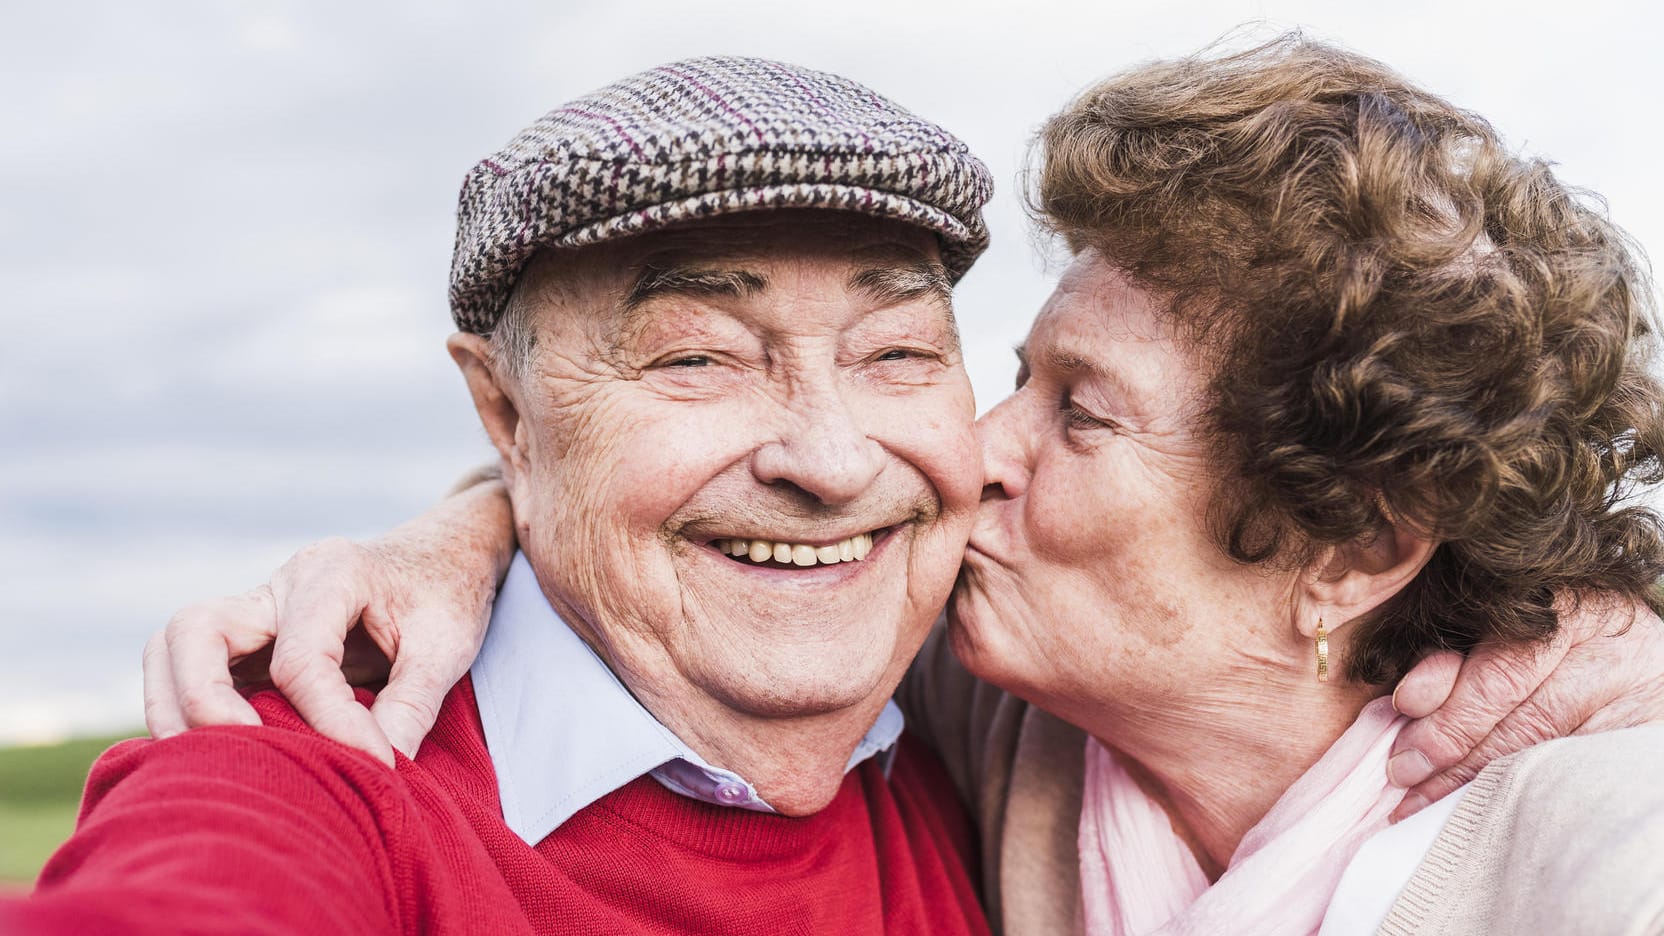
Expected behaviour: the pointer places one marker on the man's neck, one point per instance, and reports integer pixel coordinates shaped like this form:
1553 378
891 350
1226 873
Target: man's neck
1219 758
797 764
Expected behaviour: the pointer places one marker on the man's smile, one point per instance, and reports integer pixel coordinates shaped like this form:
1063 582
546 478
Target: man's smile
799 564
780 553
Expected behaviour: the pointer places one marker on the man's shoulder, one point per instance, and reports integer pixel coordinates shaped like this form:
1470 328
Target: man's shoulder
282 751
241 825
920 783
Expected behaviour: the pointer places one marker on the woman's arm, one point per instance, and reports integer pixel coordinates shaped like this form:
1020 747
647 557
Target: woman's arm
423 594
1603 670
420 597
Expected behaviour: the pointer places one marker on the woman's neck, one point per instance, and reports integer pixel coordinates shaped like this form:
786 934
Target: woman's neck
1219 758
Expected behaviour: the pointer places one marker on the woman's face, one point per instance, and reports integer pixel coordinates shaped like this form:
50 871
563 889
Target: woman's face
1091 574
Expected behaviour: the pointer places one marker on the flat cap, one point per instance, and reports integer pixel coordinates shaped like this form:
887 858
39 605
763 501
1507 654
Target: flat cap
701 138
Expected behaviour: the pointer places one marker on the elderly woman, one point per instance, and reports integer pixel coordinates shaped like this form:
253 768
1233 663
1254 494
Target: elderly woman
1332 381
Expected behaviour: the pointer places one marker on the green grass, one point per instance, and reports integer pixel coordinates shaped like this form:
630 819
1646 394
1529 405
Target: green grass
40 789
29 835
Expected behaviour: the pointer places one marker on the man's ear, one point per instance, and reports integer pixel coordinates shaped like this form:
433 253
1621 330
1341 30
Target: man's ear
498 412
1348 581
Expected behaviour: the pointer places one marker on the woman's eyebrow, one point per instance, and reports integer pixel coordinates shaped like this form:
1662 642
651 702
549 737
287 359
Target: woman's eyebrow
1070 362
1065 360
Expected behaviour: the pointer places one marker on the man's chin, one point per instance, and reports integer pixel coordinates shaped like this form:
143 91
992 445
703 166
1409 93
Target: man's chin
787 692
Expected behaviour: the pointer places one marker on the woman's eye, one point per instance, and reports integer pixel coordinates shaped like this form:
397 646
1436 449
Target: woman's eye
1078 418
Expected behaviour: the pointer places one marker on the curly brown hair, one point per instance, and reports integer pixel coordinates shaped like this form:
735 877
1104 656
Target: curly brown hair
1403 320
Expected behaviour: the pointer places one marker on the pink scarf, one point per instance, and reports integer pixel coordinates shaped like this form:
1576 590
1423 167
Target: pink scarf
1139 879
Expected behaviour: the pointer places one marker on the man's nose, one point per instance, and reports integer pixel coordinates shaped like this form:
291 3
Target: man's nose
821 448
1005 449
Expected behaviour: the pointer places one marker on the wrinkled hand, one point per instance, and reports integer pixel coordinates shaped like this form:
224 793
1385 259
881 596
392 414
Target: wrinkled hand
420 596
1603 670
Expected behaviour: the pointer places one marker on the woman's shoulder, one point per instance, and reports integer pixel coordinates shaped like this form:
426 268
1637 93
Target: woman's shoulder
1616 760
1566 836
1570 787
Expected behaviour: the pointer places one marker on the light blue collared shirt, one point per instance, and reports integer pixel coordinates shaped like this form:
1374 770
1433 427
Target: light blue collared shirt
562 731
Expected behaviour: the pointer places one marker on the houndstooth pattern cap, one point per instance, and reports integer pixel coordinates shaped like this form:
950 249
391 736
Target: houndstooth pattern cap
701 138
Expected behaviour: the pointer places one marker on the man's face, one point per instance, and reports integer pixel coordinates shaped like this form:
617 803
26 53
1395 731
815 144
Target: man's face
787 384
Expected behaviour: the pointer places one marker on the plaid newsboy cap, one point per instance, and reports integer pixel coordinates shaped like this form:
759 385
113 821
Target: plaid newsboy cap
700 138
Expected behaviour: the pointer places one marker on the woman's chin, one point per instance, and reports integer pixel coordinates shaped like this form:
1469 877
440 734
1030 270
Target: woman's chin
975 636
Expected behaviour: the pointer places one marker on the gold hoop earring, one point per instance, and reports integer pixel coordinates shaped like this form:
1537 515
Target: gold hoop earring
1322 651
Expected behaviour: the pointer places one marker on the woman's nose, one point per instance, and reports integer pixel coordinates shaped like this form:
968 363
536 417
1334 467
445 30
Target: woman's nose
1005 469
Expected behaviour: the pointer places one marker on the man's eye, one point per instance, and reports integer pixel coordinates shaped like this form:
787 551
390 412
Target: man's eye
689 360
897 354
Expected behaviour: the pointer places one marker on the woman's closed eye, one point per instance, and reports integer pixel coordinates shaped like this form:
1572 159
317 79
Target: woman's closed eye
1077 418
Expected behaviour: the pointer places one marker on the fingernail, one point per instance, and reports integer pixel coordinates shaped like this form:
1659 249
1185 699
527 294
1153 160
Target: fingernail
1413 803
1408 768
1395 697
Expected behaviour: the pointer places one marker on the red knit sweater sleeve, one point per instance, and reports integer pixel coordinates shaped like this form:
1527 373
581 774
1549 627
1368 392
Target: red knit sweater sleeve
248 830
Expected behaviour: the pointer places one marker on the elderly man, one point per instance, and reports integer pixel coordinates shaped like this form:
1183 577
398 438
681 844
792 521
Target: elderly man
739 449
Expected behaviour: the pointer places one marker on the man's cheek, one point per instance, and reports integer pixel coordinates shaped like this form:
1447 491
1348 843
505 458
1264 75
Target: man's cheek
667 461
952 463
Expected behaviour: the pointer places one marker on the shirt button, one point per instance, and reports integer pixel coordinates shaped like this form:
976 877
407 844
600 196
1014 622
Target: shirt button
731 794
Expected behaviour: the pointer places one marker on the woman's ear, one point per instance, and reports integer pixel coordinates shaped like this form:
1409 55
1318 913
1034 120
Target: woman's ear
1348 581
497 409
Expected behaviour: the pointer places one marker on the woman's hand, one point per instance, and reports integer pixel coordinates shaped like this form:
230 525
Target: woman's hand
1603 670
420 596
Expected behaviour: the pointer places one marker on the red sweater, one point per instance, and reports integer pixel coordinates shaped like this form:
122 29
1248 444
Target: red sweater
276 830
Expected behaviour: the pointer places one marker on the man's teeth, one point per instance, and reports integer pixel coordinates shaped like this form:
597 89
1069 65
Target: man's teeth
850 550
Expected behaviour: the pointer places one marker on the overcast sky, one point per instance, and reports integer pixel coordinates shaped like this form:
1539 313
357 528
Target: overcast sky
226 228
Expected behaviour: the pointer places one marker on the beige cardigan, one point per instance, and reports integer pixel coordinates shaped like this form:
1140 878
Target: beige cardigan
1566 837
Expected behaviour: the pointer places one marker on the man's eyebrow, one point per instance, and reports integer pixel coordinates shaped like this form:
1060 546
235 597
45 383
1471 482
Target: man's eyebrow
655 281
895 284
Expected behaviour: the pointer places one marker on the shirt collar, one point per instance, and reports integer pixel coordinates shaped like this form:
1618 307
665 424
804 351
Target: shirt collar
562 731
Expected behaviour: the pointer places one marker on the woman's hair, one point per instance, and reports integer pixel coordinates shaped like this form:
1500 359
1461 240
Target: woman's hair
1403 321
